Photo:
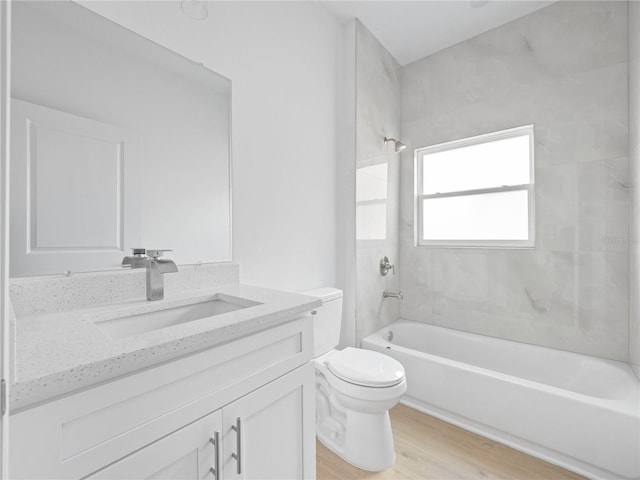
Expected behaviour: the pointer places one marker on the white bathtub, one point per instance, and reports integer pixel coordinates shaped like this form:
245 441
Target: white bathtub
572 410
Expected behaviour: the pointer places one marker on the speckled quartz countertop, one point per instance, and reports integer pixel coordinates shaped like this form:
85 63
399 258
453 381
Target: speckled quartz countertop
57 353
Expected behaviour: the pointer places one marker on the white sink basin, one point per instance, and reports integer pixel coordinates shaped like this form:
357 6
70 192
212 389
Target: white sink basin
145 322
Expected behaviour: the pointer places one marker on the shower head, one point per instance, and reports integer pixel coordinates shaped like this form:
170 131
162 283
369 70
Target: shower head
397 146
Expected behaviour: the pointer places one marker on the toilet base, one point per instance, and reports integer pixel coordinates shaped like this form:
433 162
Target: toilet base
365 441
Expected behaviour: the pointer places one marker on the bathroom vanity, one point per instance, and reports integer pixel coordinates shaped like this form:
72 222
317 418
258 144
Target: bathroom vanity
212 381
226 396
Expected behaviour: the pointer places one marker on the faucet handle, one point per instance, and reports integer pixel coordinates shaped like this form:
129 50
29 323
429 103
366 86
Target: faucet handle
157 253
138 251
385 266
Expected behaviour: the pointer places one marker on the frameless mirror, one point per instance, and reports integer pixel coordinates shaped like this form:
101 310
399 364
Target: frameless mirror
116 142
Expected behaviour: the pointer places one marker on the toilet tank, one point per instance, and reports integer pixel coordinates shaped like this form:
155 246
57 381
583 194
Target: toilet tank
328 319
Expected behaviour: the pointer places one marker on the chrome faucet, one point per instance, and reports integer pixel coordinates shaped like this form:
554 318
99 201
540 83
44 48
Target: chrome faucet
155 267
387 294
137 260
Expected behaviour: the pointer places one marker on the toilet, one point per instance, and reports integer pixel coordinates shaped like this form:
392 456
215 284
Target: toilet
355 389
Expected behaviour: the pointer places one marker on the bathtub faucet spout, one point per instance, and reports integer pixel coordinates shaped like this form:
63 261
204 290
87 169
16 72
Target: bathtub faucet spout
387 294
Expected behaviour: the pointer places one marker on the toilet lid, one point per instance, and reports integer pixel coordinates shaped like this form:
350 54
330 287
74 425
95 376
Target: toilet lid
365 367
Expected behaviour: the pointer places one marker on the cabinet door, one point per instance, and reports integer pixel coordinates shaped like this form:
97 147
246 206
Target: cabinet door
270 433
187 454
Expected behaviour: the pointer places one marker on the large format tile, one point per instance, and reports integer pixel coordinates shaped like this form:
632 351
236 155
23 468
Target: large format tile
378 81
563 69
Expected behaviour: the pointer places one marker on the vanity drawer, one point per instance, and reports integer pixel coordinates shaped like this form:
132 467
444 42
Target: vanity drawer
78 434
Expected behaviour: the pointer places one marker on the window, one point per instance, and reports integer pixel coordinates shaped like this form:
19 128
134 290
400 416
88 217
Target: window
477 192
371 202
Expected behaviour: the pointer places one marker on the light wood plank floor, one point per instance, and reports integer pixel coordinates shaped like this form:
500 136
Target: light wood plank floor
430 449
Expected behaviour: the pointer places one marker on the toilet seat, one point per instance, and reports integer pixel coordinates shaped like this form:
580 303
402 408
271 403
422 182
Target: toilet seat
365 367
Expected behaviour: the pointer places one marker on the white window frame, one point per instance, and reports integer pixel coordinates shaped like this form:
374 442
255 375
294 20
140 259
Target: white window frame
419 155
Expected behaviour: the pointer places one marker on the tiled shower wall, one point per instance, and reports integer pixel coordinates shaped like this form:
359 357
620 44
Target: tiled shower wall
563 69
378 83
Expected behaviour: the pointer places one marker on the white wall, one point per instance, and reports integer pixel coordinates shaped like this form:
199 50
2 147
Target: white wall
346 171
634 164
5 36
282 60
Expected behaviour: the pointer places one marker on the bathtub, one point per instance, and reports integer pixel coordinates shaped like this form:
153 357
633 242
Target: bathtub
576 411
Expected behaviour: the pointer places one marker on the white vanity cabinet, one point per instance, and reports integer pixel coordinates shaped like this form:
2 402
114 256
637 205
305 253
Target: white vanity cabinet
257 392
260 435
185 454
272 437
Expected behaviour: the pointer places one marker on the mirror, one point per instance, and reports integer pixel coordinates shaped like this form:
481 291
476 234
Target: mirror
116 142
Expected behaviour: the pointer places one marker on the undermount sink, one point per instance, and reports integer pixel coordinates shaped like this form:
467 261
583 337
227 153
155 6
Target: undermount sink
127 326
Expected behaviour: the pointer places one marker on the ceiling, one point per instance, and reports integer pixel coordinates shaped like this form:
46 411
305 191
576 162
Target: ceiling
411 30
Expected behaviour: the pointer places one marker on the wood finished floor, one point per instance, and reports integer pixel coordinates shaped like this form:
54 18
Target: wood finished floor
430 449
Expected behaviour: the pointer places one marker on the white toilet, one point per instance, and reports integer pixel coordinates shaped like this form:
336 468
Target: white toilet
355 389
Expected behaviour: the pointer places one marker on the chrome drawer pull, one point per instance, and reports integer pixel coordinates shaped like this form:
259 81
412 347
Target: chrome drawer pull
238 456
216 454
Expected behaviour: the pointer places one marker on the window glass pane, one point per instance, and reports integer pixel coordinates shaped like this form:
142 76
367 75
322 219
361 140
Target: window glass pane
371 221
487 216
371 183
485 165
